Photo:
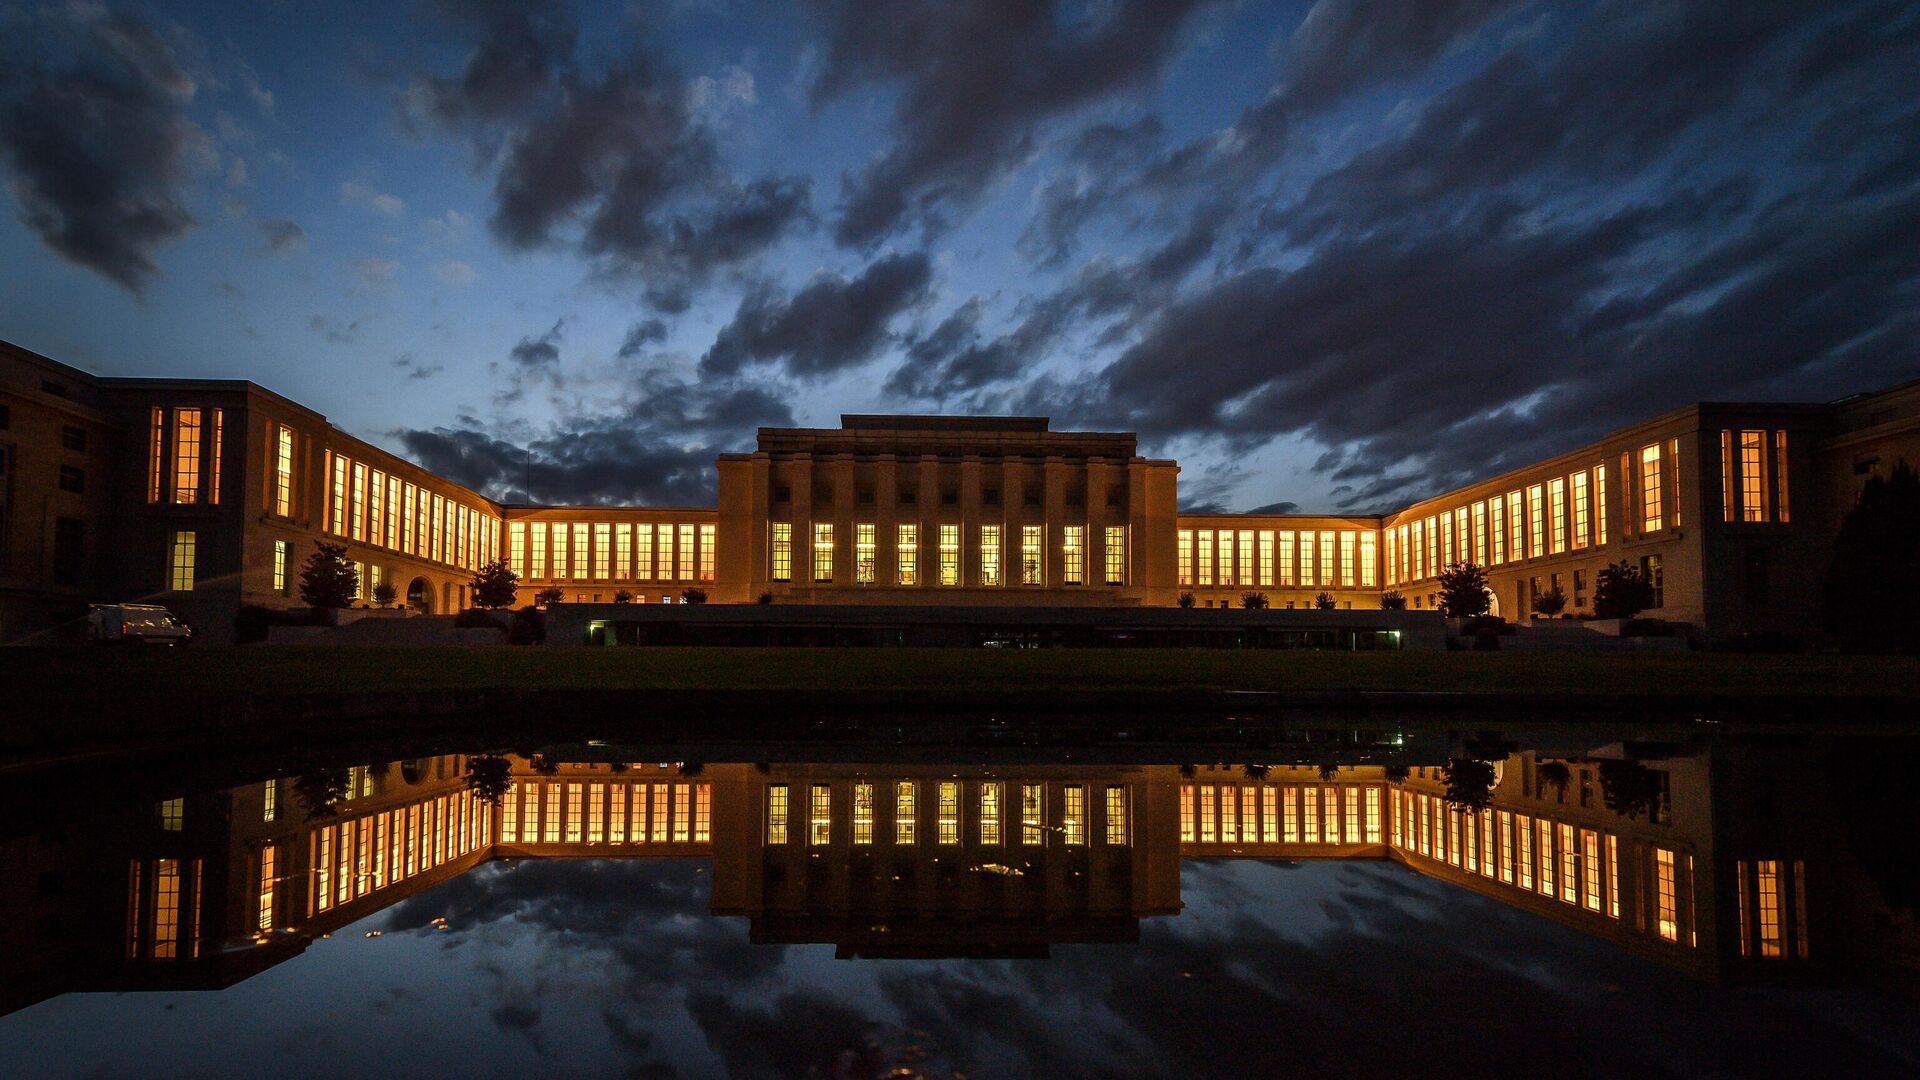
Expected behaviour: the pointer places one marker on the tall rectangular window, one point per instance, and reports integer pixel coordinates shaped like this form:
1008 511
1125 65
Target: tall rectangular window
437 546
1264 558
281 552
1188 832
1326 558
906 810
664 563
685 541
1767 880
863 813
1033 817
989 554
156 454
357 520
782 550
538 557
213 458
283 471
409 541
709 552
1673 496
819 815
1497 529
180 563
1073 814
1590 869
865 549
602 550
1204 539
1753 481
1666 908
1032 537
376 506
1245 561
186 456
776 813
1185 548
393 512
947 812
908 554
1557 499
1582 512
1347 543
623 551
1780 477
1073 552
643 552
1536 516
1516 528
1652 505
822 551
949 554
1116 814
1116 554
1446 539
1480 533
990 813
582 556
1285 575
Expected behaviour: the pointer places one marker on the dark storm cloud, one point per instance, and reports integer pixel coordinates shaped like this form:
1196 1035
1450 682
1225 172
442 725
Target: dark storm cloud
613 163
977 80
642 334
541 351
94 129
832 324
281 234
1098 161
655 446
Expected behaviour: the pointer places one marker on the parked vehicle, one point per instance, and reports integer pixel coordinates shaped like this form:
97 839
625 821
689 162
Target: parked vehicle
135 624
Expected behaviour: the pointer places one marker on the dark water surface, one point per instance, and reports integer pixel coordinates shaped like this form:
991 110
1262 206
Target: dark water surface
1740 905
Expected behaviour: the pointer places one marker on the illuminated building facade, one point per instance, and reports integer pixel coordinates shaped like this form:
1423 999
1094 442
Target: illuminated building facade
1733 866
207 496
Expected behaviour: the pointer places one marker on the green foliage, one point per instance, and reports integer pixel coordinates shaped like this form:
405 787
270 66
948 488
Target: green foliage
1556 775
494 585
321 791
1463 590
1629 788
693 596
1185 600
488 777
1621 591
327 580
1551 602
1391 600
1397 773
622 596
1875 572
1324 602
1469 783
1329 769
548 597
1256 772
1252 600
384 594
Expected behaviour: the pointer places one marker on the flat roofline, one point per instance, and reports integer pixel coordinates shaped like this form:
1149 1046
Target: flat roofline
607 506
939 422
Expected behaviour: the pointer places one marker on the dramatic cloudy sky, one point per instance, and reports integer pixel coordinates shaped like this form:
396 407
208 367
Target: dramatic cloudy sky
1331 254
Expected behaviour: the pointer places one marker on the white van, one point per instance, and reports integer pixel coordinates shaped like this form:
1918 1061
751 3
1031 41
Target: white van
135 624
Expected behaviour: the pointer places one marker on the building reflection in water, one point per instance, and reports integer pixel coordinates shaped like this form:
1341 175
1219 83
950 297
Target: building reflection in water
1721 858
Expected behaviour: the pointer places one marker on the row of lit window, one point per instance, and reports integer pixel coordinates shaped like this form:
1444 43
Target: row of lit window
989 554
1753 464
1577 865
575 812
1283 557
1773 908
611 551
372 507
358 856
992 825
195 439
1279 814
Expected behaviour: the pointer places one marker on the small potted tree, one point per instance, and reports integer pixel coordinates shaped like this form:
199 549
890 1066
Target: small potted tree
328 582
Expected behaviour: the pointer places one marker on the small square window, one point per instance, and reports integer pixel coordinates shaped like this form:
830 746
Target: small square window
1033 498
949 497
907 498
73 438
990 496
782 494
72 479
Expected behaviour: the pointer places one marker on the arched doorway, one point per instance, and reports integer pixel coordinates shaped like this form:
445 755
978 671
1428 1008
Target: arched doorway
420 596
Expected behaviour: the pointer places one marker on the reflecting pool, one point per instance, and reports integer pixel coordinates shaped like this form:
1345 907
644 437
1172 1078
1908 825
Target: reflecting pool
1336 901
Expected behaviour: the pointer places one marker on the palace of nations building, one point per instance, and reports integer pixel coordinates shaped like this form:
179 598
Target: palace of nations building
207 496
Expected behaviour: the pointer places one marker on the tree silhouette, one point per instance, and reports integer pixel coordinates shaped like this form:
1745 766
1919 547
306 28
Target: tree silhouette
1256 772
1629 788
1185 600
1329 770
384 594
1463 590
494 585
1252 600
548 596
1324 601
622 596
488 777
1391 600
321 791
1621 591
693 596
1397 773
327 580
1469 783
1556 775
1551 602
1876 568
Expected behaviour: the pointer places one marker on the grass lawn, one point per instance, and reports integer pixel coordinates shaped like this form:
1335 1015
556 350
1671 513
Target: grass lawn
40 678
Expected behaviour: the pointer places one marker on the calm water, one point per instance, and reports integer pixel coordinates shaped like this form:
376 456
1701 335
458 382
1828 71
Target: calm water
1678 903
